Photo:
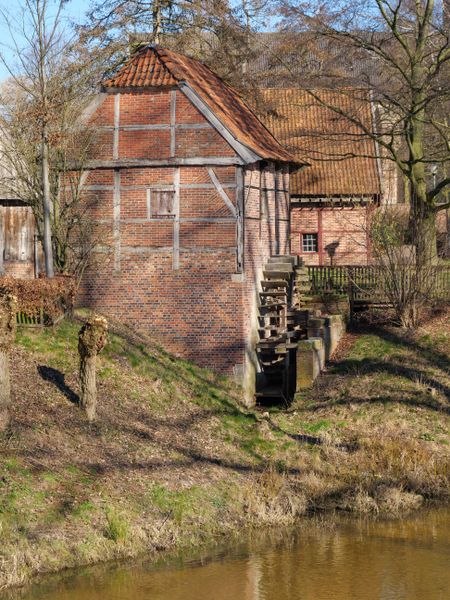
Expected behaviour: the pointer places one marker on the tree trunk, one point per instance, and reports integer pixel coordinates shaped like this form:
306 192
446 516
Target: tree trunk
157 21
88 385
91 341
5 390
423 229
48 250
8 306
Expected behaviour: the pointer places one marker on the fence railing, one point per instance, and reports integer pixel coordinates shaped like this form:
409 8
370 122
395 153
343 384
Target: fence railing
365 283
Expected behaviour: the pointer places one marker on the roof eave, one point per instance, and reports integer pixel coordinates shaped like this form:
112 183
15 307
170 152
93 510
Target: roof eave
245 153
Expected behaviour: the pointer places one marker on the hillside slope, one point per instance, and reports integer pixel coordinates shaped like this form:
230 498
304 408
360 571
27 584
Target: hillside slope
174 459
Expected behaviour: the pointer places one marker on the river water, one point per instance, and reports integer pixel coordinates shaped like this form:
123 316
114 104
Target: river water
350 560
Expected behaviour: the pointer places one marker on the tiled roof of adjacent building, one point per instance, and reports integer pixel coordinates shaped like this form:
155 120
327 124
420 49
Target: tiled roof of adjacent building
325 139
153 66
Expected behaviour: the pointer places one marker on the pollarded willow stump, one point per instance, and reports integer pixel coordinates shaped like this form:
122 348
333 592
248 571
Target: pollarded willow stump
8 308
91 340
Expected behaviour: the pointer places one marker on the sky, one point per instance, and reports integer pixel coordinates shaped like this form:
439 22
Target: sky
75 10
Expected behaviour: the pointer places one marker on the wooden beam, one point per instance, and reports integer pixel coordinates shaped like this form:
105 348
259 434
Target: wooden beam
221 191
155 127
116 220
170 220
176 222
173 118
137 91
125 163
240 219
116 126
155 186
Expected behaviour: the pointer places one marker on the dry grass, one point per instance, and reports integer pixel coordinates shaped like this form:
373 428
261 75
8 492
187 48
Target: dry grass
175 460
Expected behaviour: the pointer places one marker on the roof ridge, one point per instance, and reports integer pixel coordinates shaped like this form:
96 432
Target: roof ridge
134 67
155 66
159 51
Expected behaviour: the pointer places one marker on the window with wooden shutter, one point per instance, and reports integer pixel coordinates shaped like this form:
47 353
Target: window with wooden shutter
161 203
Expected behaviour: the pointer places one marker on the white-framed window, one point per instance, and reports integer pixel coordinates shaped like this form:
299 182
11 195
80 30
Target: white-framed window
160 203
310 242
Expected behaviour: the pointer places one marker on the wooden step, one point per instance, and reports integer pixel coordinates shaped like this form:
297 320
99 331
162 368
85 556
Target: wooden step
275 274
270 392
264 308
283 258
272 328
283 267
277 361
275 293
274 283
275 347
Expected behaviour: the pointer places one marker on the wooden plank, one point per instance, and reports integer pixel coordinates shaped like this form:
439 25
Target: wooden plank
116 126
129 163
240 219
116 220
173 112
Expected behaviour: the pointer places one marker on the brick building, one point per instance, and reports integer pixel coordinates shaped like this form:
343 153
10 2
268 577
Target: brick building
332 198
190 195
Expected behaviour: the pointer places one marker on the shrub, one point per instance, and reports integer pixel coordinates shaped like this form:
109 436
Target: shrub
52 297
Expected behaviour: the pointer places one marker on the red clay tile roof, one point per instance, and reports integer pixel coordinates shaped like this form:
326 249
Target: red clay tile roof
153 66
321 137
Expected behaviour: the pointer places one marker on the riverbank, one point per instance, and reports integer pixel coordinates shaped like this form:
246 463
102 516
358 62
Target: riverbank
175 460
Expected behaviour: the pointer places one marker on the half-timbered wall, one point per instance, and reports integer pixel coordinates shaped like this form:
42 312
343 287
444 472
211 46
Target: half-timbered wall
175 256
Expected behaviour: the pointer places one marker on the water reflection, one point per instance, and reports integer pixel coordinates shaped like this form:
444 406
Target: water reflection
406 560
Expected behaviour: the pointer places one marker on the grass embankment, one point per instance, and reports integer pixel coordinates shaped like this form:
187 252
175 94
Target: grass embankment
175 459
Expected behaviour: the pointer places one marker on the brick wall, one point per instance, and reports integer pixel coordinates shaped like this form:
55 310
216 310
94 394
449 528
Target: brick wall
184 278
174 277
18 269
342 234
266 232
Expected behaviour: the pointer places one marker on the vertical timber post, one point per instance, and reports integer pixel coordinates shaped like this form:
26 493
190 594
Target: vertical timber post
176 222
240 219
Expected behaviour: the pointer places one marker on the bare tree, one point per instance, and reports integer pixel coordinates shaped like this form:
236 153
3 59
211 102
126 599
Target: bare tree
409 286
400 50
49 87
218 32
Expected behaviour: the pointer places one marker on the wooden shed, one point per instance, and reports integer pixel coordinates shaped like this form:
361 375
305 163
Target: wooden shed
18 242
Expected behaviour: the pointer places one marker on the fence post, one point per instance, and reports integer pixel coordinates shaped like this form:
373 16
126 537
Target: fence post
350 291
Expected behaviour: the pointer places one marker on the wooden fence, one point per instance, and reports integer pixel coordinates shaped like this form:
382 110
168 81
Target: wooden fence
363 284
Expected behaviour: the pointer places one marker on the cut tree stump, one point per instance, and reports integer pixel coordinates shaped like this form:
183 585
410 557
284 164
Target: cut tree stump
91 341
8 307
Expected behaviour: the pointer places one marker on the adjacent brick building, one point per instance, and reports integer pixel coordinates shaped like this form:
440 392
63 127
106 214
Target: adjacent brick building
332 199
190 195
